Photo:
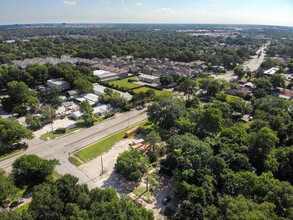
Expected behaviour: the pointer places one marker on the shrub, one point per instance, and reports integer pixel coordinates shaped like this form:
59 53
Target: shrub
60 131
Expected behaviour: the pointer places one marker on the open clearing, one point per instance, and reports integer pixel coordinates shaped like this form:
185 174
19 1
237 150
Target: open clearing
157 92
124 83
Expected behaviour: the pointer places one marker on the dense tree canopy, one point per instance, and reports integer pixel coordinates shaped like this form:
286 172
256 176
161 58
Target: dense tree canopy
132 164
65 199
166 111
29 169
12 132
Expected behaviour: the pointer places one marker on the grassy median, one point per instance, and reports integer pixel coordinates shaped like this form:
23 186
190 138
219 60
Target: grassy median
98 148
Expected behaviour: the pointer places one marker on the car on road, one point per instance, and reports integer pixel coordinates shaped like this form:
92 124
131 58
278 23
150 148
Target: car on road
140 107
166 200
16 203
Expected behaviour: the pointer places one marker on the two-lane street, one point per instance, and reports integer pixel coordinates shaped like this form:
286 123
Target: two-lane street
63 147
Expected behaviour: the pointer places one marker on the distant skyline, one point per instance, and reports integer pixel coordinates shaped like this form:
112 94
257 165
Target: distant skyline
266 12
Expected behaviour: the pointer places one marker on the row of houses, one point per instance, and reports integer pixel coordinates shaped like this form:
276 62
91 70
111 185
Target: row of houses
116 68
22 64
121 67
247 88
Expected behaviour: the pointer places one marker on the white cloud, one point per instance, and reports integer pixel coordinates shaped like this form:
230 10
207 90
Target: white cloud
166 10
70 2
138 3
122 2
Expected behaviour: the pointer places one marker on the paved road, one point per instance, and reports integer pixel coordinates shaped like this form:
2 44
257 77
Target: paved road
254 63
62 148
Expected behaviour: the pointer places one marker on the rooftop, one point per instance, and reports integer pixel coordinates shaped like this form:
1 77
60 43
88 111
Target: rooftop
56 81
148 76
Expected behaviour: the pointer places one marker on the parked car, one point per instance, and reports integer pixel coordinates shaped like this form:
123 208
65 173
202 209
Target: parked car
166 200
16 203
139 107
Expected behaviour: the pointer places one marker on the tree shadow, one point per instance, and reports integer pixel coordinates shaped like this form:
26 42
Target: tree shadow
120 183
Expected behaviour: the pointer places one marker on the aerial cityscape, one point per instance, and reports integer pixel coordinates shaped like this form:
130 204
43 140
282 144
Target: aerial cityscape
123 109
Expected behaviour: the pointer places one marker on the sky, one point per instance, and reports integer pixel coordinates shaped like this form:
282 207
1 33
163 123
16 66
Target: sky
269 12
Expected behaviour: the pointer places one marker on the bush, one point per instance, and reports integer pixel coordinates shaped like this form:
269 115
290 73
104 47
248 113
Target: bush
109 115
60 131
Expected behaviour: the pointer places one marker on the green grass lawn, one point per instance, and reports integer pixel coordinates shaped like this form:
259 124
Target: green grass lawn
49 135
22 208
79 124
124 83
145 195
102 146
157 92
5 155
74 161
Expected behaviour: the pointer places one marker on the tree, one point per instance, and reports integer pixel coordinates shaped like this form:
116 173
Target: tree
46 203
33 121
166 80
188 156
115 99
87 110
83 85
213 86
154 139
261 143
119 102
20 98
31 169
132 164
240 208
165 112
263 85
50 96
65 199
48 113
210 122
188 87
39 73
12 132
85 107
7 187
239 71
278 80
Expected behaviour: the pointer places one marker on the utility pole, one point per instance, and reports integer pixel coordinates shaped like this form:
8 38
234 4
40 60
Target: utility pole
52 121
102 165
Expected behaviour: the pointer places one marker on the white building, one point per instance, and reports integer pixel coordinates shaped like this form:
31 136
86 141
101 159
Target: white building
98 110
105 76
92 98
148 78
99 89
58 84
271 71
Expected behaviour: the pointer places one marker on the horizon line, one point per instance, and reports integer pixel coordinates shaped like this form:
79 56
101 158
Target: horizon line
145 23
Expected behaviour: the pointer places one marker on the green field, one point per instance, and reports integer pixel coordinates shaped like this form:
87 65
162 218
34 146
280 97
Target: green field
97 149
124 83
79 125
157 92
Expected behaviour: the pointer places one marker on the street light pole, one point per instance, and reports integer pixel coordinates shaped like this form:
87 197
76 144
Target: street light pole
52 121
